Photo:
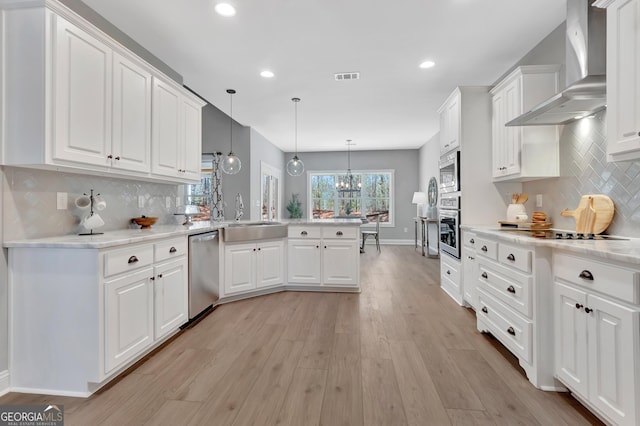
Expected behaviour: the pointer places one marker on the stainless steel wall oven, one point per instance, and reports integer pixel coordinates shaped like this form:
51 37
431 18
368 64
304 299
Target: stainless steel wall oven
450 224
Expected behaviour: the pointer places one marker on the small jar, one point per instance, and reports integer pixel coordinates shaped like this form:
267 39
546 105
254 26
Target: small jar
514 210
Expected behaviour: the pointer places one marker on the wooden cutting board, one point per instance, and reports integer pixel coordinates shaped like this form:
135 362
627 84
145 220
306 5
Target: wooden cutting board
593 214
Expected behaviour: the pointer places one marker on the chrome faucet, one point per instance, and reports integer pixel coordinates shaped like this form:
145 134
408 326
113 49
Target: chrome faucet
239 207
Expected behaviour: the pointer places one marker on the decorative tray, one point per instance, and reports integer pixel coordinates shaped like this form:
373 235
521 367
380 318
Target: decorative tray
525 225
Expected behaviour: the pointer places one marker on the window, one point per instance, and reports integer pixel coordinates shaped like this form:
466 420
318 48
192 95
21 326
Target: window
376 195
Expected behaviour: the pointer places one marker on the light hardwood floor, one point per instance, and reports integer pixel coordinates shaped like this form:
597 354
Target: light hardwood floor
401 352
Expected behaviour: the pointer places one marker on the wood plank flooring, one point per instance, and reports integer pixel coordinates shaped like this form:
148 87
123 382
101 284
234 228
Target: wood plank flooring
400 353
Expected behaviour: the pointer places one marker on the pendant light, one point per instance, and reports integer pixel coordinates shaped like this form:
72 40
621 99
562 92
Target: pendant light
295 166
347 187
231 164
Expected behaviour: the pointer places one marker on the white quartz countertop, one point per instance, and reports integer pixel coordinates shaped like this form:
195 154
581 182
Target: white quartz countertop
627 251
131 236
356 221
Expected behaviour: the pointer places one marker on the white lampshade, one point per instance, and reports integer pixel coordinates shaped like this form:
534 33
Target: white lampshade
419 198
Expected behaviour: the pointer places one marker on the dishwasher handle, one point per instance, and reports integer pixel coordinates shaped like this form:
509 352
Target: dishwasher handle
204 237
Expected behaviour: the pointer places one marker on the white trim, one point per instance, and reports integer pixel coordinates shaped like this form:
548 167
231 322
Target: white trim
55 392
392 209
4 382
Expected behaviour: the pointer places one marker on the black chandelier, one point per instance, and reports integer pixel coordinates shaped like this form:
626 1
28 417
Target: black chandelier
348 186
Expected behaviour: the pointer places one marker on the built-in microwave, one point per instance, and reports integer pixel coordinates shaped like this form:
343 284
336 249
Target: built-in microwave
450 172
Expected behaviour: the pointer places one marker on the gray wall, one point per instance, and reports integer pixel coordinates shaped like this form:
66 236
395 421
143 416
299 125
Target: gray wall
404 162
429 155
216 138
264 151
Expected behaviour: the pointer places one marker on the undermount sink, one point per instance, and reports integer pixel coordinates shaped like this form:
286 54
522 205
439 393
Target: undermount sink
248 231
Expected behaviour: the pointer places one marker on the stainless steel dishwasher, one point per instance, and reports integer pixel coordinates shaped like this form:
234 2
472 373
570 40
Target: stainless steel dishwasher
204 272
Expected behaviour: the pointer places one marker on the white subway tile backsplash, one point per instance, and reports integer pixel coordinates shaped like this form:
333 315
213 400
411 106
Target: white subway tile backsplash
584 170
30 196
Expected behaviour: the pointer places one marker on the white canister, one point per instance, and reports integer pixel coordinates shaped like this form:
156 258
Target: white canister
515 210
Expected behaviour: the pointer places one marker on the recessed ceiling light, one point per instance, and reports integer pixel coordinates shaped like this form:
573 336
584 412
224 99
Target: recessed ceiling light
267 74
225 9
427 64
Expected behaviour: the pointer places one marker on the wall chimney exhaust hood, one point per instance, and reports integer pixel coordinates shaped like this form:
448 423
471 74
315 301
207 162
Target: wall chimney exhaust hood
585 69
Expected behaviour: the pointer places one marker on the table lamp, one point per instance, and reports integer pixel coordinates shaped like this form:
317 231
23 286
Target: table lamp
419 198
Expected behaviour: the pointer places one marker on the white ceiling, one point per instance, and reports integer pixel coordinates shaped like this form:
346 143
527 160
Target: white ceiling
304 42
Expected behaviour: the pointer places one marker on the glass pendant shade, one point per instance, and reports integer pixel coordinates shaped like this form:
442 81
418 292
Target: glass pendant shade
295 166
231 164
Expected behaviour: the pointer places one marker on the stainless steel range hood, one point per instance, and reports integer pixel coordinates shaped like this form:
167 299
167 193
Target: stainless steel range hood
585 69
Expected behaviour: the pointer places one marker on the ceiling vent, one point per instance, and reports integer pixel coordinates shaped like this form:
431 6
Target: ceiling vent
340 76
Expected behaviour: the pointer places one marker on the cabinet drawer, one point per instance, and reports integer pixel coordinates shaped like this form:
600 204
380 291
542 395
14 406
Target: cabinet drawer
614 281
512 330
469 239
169 249
304 231
127 259
516 257
340 232
510 287
450 270
486 248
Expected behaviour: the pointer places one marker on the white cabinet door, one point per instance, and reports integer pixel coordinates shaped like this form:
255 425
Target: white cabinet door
340 263
171 297
239 268
128 317
470 276
513 135
166 132
304 261
131 147
499 133
82 96
450 123
191 147
270 264
613 339
623 80
571 337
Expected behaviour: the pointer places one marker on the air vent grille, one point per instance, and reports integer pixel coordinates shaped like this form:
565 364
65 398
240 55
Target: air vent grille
340 76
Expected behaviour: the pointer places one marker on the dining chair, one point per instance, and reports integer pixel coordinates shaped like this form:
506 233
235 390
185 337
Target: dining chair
369 232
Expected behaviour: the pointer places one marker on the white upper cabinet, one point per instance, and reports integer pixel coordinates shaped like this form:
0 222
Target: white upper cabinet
82 93
623 79
78 101
131 137
524 152
450 123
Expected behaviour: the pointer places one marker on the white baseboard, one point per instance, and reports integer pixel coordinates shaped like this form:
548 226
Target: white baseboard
4 382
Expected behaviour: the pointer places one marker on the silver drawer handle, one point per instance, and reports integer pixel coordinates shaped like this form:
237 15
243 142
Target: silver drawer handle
586 275
132 259
303 233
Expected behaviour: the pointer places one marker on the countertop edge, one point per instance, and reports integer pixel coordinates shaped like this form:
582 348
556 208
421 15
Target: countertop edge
624 251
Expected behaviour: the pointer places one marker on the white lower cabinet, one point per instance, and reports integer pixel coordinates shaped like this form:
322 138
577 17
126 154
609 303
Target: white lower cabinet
129 316
597 338
119 302
324 256
248 266
469 269
514 288
170 296
451 277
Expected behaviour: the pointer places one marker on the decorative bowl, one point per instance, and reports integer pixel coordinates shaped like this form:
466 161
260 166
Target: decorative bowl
144 221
